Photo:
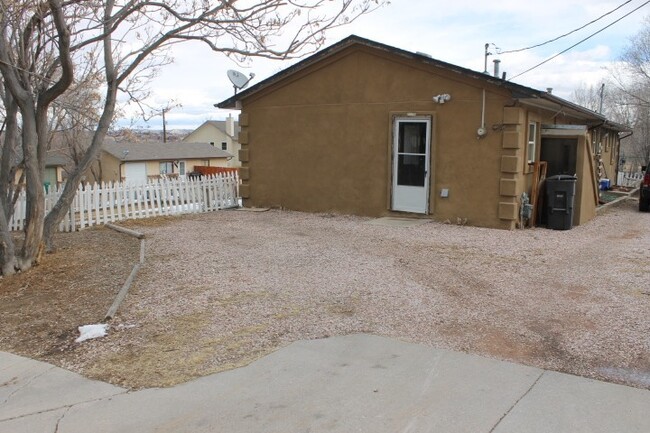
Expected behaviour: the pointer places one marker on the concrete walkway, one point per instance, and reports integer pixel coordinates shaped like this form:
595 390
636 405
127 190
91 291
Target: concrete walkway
356 383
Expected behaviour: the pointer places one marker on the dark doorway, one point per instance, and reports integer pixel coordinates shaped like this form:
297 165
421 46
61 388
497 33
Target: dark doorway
560 154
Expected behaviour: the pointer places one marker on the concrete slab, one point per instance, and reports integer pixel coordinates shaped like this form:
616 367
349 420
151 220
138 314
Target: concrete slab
343 384
398 222
28 386
564 403
252 209
355 383
35 423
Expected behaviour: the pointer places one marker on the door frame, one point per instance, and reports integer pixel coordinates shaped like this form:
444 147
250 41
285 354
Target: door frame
396 119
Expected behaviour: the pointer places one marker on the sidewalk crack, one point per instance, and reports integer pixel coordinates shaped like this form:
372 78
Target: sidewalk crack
24 385
67 407
56 427
517 402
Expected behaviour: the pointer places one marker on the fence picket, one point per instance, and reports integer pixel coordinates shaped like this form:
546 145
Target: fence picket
116 201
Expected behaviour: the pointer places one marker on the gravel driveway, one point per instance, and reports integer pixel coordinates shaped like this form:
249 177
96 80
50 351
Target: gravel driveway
221 289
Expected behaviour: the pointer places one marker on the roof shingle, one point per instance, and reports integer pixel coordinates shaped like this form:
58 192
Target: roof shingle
126 151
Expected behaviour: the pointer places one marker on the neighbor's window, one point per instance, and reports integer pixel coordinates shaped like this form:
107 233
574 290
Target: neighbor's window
166 167
224 145
205 163
532 142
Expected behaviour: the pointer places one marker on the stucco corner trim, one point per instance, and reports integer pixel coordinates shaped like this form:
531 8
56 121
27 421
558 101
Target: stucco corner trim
243 137
513 115
510 164
245 190
512 139
508 187
507 211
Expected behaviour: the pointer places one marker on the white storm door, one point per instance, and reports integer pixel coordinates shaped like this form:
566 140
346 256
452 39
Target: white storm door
135 173
181 170
411 148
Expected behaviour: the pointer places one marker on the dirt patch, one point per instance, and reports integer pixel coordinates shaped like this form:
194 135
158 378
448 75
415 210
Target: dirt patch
219 290
42 308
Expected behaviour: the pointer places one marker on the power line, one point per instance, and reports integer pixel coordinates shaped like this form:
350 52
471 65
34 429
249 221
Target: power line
564 35
578 43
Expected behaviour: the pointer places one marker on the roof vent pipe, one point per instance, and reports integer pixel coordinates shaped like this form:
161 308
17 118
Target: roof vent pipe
549 90
496 67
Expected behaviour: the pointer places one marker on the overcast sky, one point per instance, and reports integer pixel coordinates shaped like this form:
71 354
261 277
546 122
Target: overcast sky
453 31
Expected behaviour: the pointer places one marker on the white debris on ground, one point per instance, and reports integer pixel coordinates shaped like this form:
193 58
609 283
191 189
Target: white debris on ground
122 326
87 332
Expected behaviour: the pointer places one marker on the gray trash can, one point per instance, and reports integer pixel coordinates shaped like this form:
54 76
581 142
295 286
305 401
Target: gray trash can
560 194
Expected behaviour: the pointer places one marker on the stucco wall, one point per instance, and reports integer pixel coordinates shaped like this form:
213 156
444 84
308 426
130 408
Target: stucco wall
321 141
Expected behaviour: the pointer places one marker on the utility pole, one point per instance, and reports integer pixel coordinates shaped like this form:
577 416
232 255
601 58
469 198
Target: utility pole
164 110
171 104
602 93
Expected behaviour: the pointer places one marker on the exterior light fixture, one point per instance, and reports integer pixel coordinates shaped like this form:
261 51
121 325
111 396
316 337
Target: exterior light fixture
442 98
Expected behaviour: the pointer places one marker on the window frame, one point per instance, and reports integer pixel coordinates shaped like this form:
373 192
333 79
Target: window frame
166 164
532 127
224 145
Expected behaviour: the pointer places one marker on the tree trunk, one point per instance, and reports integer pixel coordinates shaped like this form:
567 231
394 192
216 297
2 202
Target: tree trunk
7 248
7 185
35 212
55 216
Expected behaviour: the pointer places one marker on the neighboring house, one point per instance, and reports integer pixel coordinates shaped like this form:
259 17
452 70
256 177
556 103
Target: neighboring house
142 162
222 134
54 164
368 129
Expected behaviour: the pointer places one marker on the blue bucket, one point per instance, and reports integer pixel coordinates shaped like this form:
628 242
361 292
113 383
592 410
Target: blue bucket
605 184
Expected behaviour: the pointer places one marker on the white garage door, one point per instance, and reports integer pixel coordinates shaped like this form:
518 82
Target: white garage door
135 172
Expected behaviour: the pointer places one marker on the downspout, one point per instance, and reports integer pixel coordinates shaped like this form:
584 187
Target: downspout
482 132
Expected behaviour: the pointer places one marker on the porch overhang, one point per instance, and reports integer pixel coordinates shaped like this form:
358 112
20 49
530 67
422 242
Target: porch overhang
560 106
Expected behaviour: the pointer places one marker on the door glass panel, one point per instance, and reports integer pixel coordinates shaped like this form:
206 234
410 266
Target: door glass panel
412 137
410 170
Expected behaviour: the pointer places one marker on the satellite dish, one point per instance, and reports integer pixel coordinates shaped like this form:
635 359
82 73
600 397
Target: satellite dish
239 81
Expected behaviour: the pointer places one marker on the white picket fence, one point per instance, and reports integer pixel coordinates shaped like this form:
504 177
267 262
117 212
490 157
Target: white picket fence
629 179
109 202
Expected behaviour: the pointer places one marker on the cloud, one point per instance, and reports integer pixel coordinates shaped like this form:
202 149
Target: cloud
454 32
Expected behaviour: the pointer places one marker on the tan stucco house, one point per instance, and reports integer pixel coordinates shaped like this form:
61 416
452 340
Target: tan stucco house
365 128
222 134
143 162
54 169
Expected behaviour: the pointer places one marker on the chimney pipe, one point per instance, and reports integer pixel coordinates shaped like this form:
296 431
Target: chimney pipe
549 90
230 125
496 67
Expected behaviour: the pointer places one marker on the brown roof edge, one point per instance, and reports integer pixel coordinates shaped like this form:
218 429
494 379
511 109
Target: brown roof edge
357 40
518 91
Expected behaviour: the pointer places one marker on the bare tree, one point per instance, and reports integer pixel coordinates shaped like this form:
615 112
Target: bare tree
590 97
43 42
632 97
